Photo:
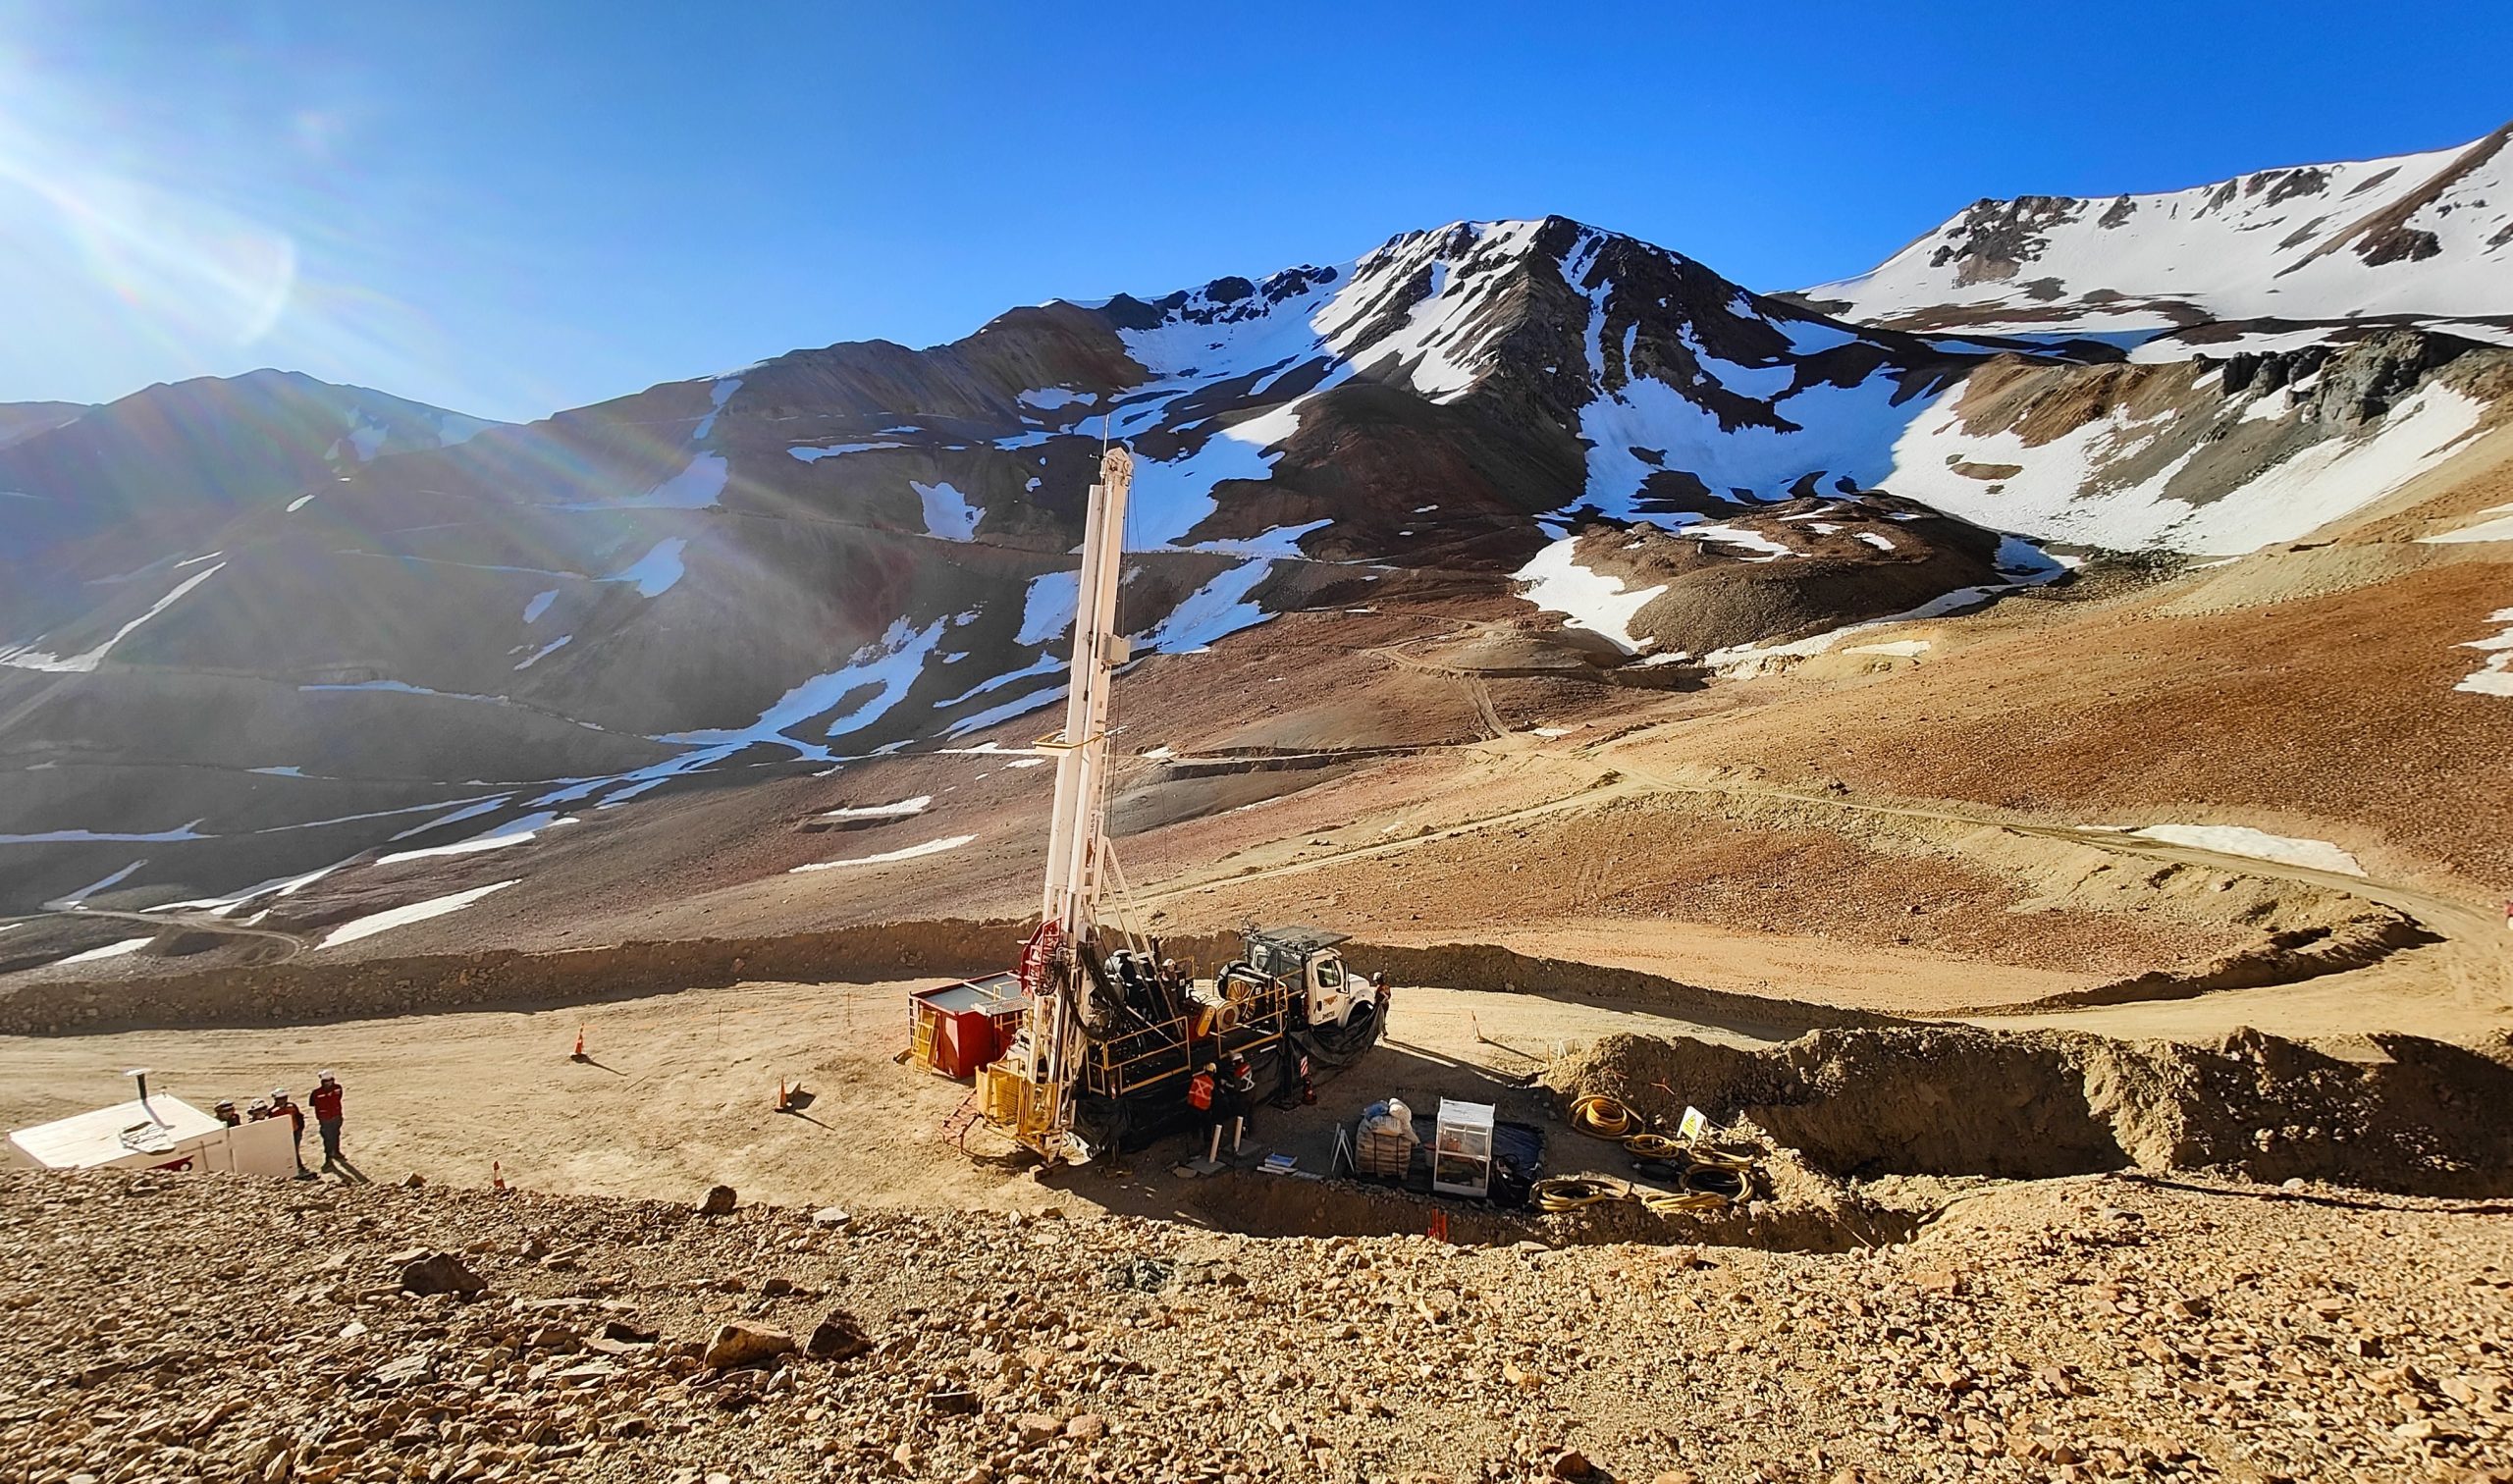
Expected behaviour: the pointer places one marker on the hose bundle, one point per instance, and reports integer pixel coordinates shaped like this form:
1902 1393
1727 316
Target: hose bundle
1672 1202
1654 1146
1709 1178
1569 1192
1603 1117
1572 1193
1716 1184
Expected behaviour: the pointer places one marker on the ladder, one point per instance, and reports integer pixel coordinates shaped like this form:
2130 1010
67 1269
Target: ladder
955 1129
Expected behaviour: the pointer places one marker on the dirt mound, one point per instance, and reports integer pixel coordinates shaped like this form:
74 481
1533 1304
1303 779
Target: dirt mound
2287 958
1789 570
1950 1101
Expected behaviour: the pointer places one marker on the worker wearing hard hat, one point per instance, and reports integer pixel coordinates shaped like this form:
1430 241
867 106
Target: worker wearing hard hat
326 1099
281 1107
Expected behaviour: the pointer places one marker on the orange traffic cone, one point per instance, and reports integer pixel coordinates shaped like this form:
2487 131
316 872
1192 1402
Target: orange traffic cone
580 1045
780 1094
497 1176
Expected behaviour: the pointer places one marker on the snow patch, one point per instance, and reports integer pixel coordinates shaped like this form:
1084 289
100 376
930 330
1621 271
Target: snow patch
1740 536
25 657
1211 612
2242 840
2499 529
898 811
1047 608
2058 494
110 950
276 887
717 396
2495 676
810 454
654 572
75 836
66 903
948 514
929 847
512 832
890 665
1587 598
694 488
401 917
536 655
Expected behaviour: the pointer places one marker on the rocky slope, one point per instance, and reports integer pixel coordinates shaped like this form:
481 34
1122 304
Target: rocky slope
2105 1328
104 504
21 420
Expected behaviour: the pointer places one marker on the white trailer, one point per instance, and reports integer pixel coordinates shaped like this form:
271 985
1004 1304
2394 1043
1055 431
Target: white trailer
156 1132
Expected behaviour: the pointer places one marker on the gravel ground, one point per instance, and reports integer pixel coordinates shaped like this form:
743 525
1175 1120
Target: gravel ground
2107 1327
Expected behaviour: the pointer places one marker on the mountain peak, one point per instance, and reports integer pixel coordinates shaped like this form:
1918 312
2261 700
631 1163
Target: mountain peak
2415 237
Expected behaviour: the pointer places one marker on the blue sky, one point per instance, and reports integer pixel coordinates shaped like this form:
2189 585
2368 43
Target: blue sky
511 208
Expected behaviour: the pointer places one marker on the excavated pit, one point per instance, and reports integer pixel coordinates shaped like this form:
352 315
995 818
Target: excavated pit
1794 1211
2403 1114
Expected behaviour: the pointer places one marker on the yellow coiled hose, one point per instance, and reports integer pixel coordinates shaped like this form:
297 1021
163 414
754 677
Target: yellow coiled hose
1569 1192
1653 1145
1603 1117
1670 1203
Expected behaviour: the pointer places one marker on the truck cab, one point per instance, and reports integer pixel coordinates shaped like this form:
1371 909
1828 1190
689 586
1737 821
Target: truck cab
1306 959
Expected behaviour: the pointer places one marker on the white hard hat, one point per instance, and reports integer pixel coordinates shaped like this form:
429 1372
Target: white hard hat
323 1075
279 1091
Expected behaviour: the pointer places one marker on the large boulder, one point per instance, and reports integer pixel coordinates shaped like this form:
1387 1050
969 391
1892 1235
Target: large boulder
839 1338
440 1273
739 1344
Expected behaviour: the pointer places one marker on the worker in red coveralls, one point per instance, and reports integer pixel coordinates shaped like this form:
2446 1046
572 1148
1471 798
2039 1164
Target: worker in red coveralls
327 1116
281 1107
1201 1090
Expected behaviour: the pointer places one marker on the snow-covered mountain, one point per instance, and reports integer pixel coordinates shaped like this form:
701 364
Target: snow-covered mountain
2423 238
273 631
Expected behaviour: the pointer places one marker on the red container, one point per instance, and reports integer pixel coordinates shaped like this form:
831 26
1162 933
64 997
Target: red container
958 1030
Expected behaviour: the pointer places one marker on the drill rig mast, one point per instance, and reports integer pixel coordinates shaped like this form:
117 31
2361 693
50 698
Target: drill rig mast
1034 1092
1110 1034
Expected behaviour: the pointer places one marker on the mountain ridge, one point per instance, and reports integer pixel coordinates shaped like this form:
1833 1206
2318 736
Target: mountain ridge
2440 221
843 553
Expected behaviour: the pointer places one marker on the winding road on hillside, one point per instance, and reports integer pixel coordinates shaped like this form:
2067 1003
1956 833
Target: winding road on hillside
2469 951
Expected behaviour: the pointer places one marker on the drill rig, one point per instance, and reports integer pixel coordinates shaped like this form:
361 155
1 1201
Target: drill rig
1110 1032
